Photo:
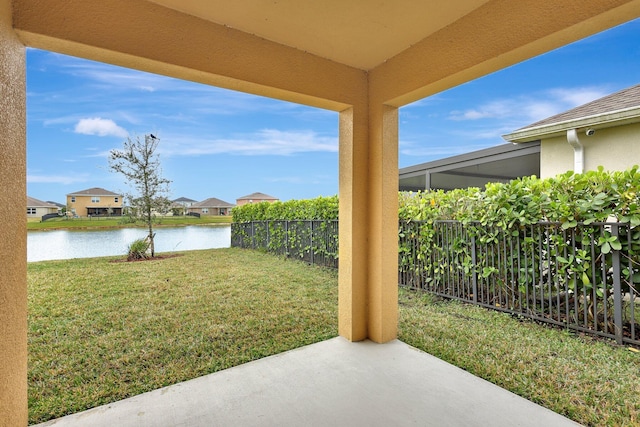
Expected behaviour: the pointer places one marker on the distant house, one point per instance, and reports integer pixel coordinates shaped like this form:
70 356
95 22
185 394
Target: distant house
255 198
604 132
185 202
211 206
37 208
59 205
94 202
179 206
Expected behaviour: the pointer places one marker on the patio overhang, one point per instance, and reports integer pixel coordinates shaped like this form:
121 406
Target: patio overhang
356 58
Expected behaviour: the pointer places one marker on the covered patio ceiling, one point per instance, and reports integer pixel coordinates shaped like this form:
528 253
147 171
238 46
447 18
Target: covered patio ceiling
410 48
359 33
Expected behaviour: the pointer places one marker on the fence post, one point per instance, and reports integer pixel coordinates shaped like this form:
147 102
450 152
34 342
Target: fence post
268 235
311 242
253 235
286 237
474 275
617 289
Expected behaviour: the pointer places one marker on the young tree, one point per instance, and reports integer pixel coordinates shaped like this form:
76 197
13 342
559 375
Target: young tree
139 164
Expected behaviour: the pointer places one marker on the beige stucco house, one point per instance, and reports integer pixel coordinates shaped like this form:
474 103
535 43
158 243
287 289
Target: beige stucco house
604 132
211 206
255 198
94 202
361 61
37 208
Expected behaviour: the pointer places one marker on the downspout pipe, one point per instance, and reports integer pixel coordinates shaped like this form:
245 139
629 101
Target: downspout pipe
578 150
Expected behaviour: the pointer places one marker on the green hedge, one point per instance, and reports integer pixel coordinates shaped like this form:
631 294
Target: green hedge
568 198
320 208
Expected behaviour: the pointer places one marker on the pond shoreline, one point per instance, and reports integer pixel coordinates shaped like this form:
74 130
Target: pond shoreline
118 227
116 223
103 242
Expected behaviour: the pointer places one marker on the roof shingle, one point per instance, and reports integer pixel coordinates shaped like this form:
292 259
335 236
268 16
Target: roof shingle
257 196
96 191
622 100
212 202
35 203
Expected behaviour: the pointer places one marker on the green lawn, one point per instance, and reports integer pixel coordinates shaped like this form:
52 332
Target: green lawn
592 382
117 222
101 331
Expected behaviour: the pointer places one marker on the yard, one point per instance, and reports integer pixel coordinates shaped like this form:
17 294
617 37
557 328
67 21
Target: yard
100 331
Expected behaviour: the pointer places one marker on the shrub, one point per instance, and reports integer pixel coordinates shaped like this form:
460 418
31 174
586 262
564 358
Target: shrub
138 249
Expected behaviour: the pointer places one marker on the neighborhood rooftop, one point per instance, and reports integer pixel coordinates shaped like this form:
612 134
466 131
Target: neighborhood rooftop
184 200
258 196
212 202
35 203
96 191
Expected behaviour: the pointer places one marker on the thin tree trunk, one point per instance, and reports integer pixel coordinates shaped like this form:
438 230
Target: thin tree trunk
151 246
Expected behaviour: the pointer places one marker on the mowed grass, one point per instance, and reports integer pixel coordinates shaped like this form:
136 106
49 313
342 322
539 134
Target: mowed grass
101 331
593 382
117 222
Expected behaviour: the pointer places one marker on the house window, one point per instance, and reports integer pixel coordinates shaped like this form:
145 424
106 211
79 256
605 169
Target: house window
115 199
95 199
31 211
205 210
73 199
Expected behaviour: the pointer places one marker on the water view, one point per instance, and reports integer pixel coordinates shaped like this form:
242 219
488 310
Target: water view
67 244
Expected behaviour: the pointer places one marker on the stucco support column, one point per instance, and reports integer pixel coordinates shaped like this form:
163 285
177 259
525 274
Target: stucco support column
353 239
383 223
13 241
368 277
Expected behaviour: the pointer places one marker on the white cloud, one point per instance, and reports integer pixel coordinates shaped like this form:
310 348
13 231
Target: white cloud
579 96
531 107
101 127
265 142
56 179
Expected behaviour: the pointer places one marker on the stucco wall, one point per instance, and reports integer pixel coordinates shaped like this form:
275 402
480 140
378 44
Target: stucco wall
13 244
210 211
41 211
615 148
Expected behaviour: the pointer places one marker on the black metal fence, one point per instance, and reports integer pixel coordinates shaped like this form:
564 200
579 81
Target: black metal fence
584 278
312 241
49 216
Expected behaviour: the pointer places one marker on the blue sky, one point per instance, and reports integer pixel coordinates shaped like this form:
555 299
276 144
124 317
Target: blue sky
225 144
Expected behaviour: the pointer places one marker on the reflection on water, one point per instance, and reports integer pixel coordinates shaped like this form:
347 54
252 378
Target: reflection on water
67 244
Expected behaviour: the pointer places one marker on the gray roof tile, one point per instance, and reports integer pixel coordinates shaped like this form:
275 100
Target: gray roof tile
622 100
96 191
212 202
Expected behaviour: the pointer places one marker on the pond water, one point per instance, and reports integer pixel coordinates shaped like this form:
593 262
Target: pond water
67 244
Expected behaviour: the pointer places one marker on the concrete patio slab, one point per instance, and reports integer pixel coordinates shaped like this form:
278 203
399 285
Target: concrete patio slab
331 383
